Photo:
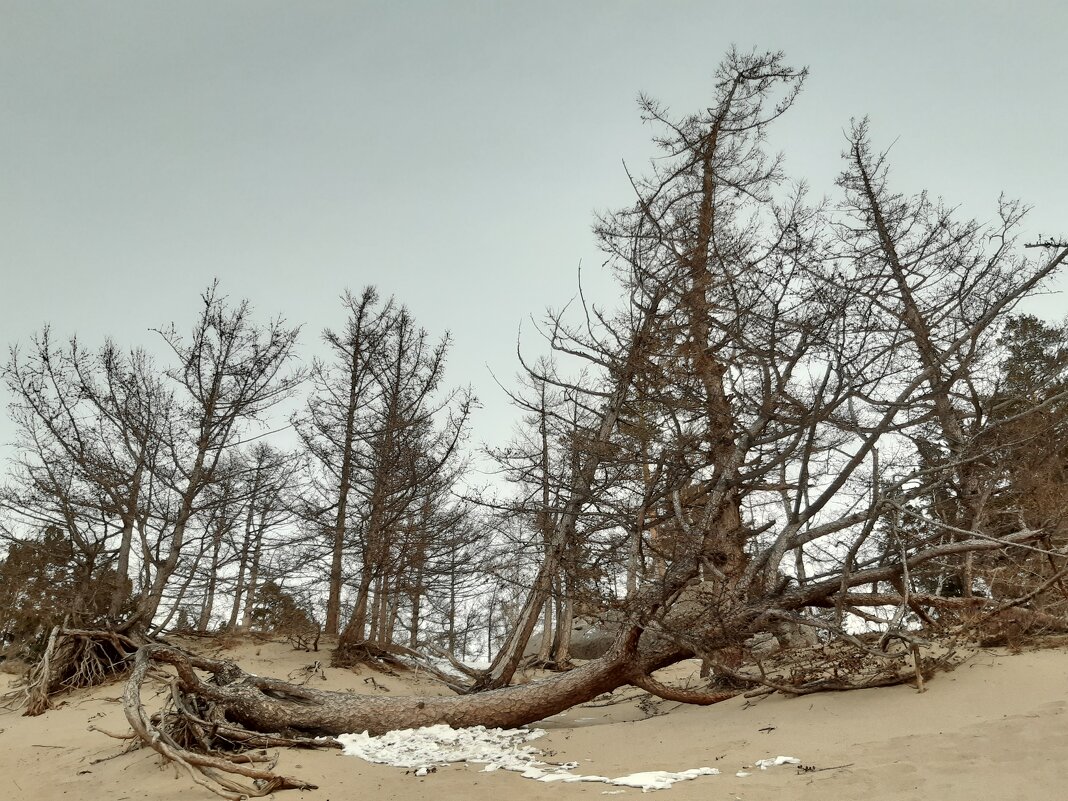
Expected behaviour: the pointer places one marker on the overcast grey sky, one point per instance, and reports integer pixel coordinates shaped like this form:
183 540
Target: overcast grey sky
451 153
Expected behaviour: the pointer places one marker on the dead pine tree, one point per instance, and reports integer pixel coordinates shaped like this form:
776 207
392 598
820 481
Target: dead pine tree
753 405
333 425
118 457
381 439
540 464
410 458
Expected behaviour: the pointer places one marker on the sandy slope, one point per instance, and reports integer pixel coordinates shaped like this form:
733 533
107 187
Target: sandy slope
993 729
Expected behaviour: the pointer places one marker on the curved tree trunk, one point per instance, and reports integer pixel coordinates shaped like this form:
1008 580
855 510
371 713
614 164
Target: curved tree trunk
269 705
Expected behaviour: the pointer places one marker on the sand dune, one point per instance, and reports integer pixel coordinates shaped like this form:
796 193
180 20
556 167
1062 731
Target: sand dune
993 729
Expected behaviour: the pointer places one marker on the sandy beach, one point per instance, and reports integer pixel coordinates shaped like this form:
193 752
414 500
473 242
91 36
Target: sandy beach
992 729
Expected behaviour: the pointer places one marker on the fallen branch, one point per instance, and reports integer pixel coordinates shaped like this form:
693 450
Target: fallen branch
680 694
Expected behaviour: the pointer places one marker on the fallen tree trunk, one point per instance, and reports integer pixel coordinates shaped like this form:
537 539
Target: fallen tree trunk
269 705
211 771
671 629
289 714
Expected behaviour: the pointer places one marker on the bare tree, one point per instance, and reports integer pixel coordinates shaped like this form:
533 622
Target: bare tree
91 427
111 452
792 417
230 372
540 464
753 401
334 424
410 458
268 476
382 445
225 509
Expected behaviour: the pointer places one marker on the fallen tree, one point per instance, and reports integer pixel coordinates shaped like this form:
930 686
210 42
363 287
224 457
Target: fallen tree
787 427
258 711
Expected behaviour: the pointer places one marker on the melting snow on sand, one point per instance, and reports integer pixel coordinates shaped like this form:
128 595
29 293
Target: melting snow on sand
497 749
764 764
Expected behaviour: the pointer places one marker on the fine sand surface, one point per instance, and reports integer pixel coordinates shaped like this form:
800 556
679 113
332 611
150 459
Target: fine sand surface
993 729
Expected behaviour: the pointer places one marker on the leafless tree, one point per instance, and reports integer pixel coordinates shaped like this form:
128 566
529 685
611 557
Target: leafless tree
116 454
267 477
229 373
90 426
752 404
410 459
242 524
382 444
333 425
792 418
540 464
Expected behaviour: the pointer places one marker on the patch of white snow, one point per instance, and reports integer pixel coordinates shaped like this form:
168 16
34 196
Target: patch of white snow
661 779
442 744
764 764
497 749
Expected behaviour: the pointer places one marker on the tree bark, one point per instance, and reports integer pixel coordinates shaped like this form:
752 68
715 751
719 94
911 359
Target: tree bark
268 705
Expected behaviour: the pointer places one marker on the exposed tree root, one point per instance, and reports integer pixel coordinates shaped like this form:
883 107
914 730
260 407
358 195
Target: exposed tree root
73 658
238 710
848 667
351 653
208 767
305 640
216 712
265 704
218 718
533 663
